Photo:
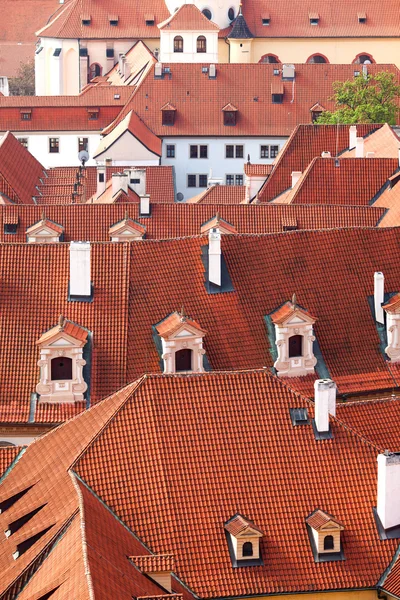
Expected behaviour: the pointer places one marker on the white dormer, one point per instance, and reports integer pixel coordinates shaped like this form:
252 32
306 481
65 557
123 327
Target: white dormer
392 309
182 344
244 538
158 567
44 232
127 230
326 532
61 363
294 340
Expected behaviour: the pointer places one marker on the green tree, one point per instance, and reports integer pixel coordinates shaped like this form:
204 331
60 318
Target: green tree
24 83
365 99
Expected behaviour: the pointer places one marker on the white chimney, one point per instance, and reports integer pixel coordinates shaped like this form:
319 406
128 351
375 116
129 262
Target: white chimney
360 147
145 208
388 505
326 154
158 70
214 256
101 180
352 136
295 177
137 181
325 403
79 269
119 182
379 293
370 155
212 71
399 157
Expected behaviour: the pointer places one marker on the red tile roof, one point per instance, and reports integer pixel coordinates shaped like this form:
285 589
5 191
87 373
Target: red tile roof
188 18
220 194
71 329
134 125
257 169
93 221
154 563
383 142
7 456
319 518
306 143
256 116
19 171
349 181
238 524
173 323
279 316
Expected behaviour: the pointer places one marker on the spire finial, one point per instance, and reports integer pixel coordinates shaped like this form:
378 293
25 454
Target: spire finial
183 315
43 216
294 300
61 321
218 217
126 215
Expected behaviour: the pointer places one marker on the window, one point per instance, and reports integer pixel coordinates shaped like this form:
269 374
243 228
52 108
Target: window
314 19
362 18
134 181
83 144
23 142
229 118
170 150
196 151
270 59
101 177
363 59
114 21
203 181
247 549
95 70
150 22
269 151
273 151
86 20
203 151
110 52
207 13
178 43
328 542
264 151
201 44
191 181
317 59
10 227
197 180
26 115
193 151
54 145
238 179
295 346
183 360
266 21
83 52
61 368
231 14
234 179
232 151
277 98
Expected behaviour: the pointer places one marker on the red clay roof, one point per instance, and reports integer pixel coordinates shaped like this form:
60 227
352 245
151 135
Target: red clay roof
173 323
170 220
134 124
349 181
220 194
71 329
238 524
188 18
281 315
19 171
154 563
319 518
306 143
257 169
256 116
384 142
7 456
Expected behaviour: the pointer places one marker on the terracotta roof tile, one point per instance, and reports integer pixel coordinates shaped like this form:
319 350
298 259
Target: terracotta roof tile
238 524
153 563
319 518
19 171
173 322
257 169
7 456
188 18
383 142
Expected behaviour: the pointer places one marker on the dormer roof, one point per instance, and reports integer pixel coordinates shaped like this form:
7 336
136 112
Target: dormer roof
154 563
216 221
393 306
229 108
45 227
188 18
177 322
290 312
168 106
317 108
239 526
127 225
321 520
63 328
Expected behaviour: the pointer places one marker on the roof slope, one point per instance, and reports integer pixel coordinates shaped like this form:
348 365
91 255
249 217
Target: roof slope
7 456
19 171
133 124
383 142
188 18
246 415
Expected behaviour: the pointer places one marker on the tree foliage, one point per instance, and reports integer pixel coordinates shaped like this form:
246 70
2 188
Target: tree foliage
24 83
365 99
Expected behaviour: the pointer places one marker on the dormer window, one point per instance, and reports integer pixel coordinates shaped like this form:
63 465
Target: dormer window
158 567
294 340
61 363
316 111
216 222
182 344
243 538
168 112
149 20
86 19
266 19
324 532
93 113
392 309
26 114
127 230
314 18
362 17
44 232
113 20
10 224
229 111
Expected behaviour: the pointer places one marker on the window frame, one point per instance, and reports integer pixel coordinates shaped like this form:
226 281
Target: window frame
86 146
189 175
50 146
201 44
22 144
168 149
331 543
266 146
247 554
300 340
178 44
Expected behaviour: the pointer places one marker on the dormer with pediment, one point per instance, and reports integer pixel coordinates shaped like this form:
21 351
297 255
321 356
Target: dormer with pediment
243 541
127 230
44 232
61 363
182 344
294 338
392 309
325 536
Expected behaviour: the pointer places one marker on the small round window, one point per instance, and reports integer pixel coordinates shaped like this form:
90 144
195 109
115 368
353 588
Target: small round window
231 14
207 13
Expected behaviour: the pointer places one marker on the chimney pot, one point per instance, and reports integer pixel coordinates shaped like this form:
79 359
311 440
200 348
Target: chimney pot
360 147
295 177
352 136
379 296
326 154
214 256
388 505
79 272
370 155
325 403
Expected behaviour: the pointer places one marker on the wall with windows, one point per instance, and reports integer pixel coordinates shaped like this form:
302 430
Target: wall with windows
195 158
67 144
188 48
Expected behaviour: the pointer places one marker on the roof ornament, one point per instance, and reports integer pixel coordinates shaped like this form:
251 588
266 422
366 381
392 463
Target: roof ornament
126 215
61 321
248 159
217 217
182 313
43 216
294 300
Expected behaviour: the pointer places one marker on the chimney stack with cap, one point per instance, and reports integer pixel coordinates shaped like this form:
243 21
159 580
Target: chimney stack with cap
214 256
295 177
352 136
79 271
388 505
325 403
379 296
119 182
360 147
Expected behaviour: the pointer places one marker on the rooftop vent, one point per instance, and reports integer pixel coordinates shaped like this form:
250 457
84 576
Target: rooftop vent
288 72
325 405
326 154
362 17
298 416
80 288
379 296
212 72
314 18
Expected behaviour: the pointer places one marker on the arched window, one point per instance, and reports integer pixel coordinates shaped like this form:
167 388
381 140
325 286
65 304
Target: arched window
61 368
178 43
247 549
207 13
317 59
183 360
295 346
363 59
201 44
271 59
95 70
328 542
231 14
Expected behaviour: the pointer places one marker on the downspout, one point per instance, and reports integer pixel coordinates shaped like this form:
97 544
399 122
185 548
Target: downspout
229 46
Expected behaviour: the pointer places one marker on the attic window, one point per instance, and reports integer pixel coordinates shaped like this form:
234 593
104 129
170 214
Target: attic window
324 532
86 19
362 17
168 114
298 416
266 19
57 52
93 113
229 112
314 18
277 98
182 344
10 228
113 20
26 114
149 20
243 538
